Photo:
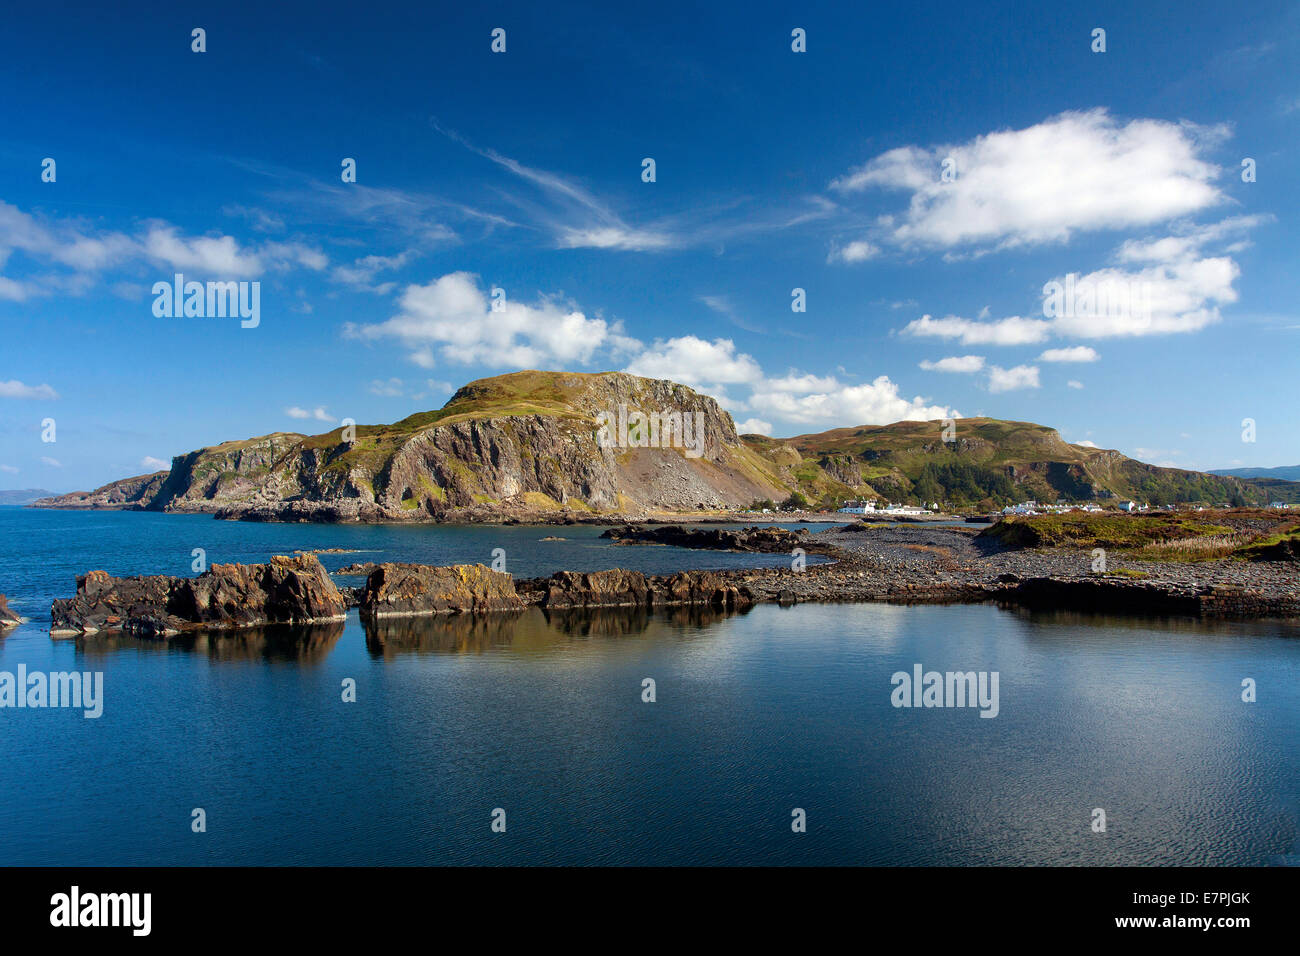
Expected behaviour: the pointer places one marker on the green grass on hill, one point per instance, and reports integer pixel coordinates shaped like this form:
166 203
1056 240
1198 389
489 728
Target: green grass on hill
1083 530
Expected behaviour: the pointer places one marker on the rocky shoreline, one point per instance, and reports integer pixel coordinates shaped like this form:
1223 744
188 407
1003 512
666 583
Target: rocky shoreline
870 564
955 564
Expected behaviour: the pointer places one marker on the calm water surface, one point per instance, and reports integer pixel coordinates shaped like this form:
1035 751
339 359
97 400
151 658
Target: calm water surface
757 713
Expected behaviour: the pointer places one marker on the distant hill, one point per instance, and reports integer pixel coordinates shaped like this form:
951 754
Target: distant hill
23 496
1285 472
529 443
990 462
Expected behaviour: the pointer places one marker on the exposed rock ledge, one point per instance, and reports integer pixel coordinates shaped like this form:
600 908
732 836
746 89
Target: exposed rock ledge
756 538
297 591
284 591
404 590
619 588
8 616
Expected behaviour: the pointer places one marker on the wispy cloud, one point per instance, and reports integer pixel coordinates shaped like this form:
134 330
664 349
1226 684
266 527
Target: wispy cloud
955 363
16 389
318 414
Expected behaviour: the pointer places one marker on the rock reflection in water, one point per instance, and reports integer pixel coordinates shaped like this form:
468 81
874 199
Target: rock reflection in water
299 643
533 629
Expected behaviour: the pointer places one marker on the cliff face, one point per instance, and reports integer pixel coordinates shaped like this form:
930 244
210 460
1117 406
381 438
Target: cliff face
531 442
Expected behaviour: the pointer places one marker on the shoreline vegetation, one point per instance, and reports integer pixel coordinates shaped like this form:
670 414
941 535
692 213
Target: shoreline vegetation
1221 564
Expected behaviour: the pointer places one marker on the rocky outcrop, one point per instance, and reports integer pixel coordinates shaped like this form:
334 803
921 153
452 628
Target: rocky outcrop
757 538
402 590
703 587
8 617
619 588
286 590
570 589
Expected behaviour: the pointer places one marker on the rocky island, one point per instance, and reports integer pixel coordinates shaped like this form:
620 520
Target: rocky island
535 446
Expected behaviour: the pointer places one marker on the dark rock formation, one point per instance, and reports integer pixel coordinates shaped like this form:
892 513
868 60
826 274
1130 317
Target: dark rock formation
569 589
619 588
395 590
757 538
703 587
285 590
8 616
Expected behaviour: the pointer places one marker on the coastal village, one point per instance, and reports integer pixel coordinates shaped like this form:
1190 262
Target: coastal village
877 508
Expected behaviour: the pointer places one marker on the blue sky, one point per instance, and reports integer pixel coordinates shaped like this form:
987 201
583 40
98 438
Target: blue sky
775 170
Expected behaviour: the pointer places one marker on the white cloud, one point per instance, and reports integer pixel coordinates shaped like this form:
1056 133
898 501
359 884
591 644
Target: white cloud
857 251
453 315
1177 287
835 403
318 413
209 255
754 426
1074 383
615 237
387 389
1085 444
52 462
1077 353
1183 296
16 389
695 361
1014 330
1010 379
955 363
793 382
9 469
1077 171
72 243
151 463
13 291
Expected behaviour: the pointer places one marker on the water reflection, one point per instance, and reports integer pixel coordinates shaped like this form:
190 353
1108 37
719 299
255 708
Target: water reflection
297 643
528 630
1075 625
387 637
